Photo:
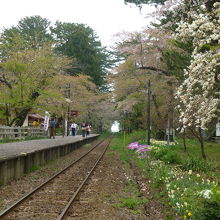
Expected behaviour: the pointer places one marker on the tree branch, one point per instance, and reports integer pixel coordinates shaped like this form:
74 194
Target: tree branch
154 69
3 80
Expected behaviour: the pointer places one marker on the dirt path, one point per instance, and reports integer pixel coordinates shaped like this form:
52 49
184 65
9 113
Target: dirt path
103 196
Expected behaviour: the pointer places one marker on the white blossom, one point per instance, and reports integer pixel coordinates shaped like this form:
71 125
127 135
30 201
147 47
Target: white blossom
199 93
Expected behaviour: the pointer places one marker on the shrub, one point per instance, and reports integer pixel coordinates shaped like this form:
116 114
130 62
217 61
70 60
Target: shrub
211 206
171 157
166 154
159 152
196 164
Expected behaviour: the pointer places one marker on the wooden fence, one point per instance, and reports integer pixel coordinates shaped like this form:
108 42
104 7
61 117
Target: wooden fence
20 132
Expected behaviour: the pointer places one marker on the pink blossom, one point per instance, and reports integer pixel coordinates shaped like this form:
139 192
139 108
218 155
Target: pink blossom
142 149
133 145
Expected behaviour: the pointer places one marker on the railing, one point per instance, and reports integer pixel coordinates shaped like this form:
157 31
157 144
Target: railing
19 132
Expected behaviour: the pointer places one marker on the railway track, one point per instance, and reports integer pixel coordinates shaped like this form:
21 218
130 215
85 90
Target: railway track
53 198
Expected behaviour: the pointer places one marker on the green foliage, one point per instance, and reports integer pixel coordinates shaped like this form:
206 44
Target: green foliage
7 140
193 151
132 198
136 117
34 168
34 30
196 164
77 41
25 76
132 202
185 190
211 207
14 66
166 154
59 131
171 157
31 32
176 60
81 43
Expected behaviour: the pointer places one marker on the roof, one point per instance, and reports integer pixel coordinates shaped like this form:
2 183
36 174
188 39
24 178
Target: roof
36 116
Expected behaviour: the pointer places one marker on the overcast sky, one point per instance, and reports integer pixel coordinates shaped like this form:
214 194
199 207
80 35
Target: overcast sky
106 17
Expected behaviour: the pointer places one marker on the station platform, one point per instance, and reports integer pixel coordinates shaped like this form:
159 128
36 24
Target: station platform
15 149
17 158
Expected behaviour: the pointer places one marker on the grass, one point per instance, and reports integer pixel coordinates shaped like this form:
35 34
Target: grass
212 149
35 167
192 157
132 198
176 182
136 200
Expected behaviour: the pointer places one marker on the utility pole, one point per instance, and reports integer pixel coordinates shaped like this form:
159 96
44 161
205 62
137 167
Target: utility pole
148 113
68 108
66 115
124 134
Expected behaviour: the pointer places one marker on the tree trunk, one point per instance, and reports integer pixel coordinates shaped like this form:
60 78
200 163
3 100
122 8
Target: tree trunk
184 139
168 129
20 118
7 114
209 4
202 143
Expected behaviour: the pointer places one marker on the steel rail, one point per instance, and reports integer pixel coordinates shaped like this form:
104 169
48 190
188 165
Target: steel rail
65 210
14 205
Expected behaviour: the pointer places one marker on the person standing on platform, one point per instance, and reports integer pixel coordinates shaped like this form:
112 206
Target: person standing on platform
84 127
77 128
74 128
52 125
88 130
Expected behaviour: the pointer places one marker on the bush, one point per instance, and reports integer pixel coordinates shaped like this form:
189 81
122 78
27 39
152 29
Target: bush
159 152
196 164
211 207
166 154
171 157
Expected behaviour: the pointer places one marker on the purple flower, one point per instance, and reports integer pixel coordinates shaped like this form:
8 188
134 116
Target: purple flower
140 150
143 145
133 145
142 156
143 148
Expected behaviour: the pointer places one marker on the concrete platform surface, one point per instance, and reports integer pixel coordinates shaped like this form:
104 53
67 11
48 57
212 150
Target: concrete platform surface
11 150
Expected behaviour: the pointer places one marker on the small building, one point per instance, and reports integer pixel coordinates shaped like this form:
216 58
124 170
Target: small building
33 119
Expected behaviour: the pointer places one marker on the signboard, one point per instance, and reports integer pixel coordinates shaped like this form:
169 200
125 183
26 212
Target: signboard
217 130
73 113
46 122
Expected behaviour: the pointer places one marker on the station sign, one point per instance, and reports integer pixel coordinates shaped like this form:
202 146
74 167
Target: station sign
74 113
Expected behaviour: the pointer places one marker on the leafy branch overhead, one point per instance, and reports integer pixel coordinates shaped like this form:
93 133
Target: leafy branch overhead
34 54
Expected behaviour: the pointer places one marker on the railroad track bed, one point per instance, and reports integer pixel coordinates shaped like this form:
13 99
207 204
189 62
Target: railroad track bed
98 199
50 199
17 188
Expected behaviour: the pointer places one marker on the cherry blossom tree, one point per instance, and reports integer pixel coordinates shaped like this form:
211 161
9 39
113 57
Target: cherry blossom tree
199 94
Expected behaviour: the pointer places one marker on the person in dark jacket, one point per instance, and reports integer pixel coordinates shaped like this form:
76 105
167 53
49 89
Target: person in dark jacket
84 127
52 125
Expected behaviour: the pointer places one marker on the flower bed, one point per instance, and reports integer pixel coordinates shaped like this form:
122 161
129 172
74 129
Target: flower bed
190 195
